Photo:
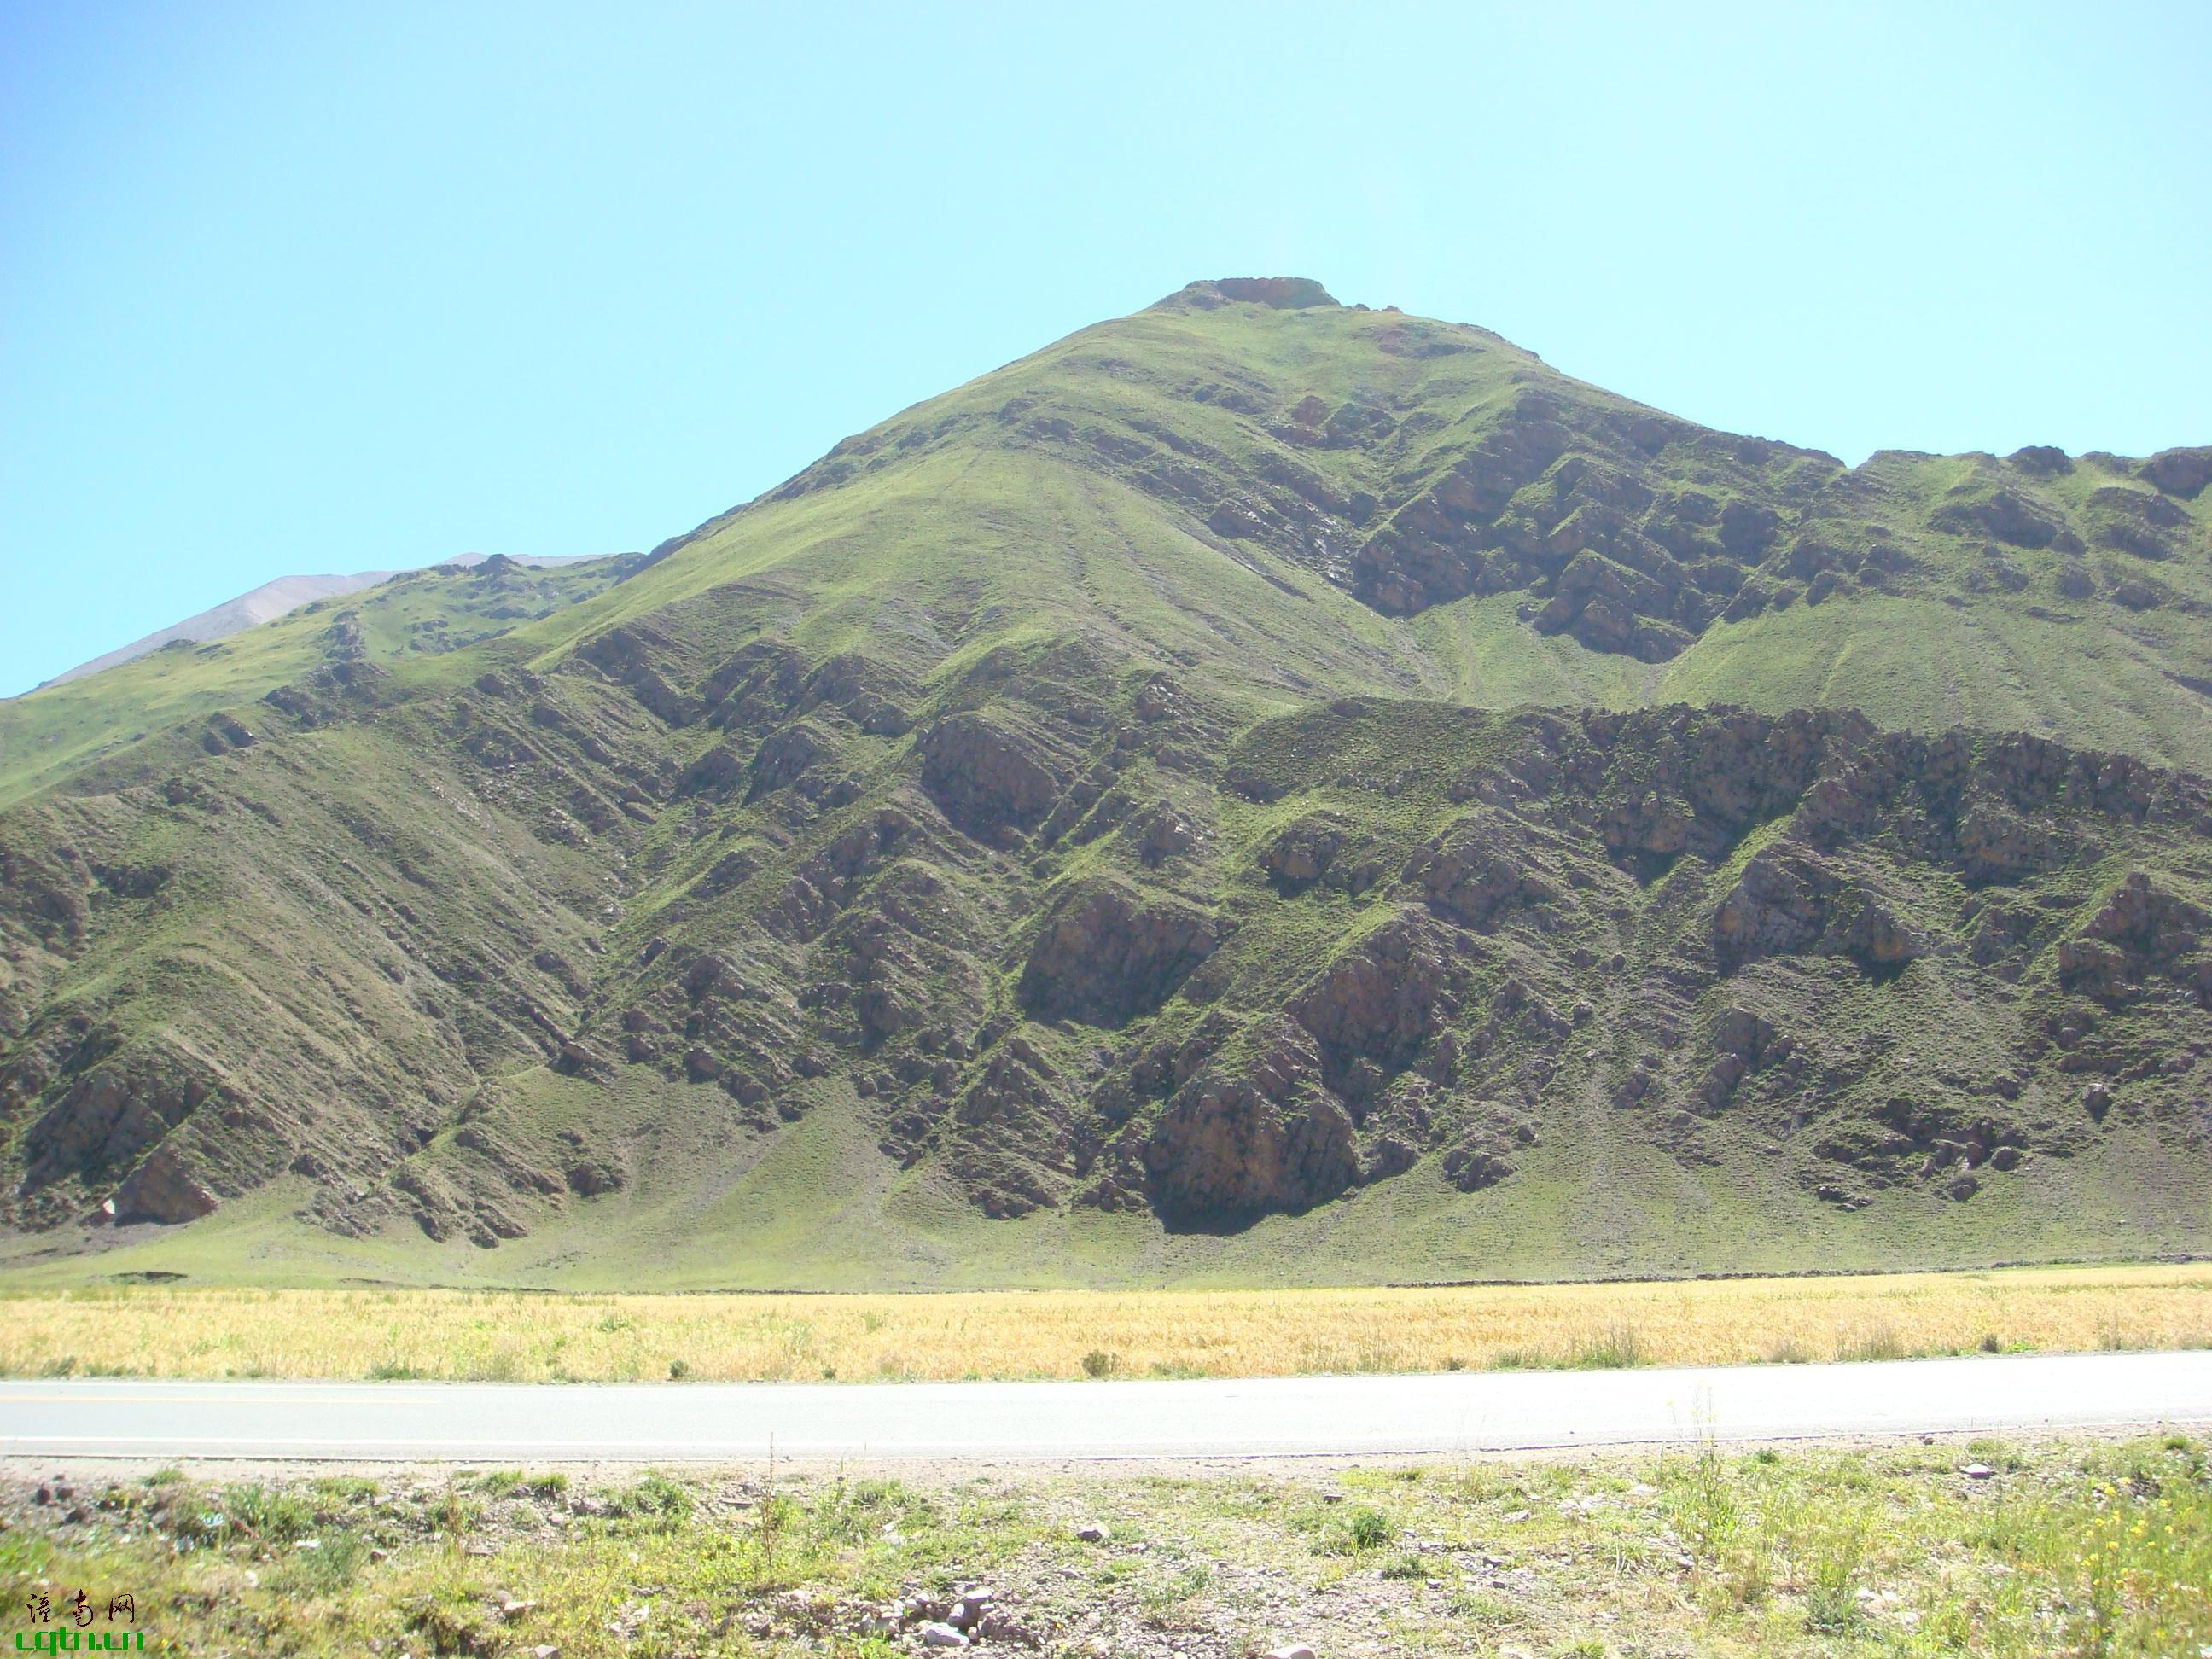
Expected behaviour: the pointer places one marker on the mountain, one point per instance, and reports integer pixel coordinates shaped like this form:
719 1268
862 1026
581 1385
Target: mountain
1260 790
250 609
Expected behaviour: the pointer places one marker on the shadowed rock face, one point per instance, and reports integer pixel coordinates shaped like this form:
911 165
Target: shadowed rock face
991 781
1228 1147
1447 1027
1556 502
1778 908
2183 472
1373 1008
1107 955
107 1119
2143 932
1487 871
1304 852
162 1189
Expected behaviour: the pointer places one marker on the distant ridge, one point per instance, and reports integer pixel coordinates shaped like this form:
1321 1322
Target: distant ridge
263 603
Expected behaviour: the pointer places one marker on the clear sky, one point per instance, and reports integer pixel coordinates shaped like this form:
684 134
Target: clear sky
292 288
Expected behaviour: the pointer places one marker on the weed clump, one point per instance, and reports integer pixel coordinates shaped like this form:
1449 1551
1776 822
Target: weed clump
1616 1347
655 1498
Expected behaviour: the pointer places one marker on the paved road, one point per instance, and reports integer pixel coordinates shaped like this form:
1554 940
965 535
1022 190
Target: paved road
1273 1417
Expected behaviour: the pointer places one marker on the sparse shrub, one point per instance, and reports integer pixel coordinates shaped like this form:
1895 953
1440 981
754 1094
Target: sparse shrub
1369 1530
1357 1533
1948 1625
337 1556
1480 1483
679 1369
1832 1579
1875 1342
852 1514
1483 1608
198 1528
655 1498
452 1513
273 1517
1616 1347
773 1519
452 1621
1705 1508
1099 1363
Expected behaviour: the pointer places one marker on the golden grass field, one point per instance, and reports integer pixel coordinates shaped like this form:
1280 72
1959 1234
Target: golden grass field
532 1337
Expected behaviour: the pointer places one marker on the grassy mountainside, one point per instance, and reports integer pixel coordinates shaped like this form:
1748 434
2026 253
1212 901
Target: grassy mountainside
1102 825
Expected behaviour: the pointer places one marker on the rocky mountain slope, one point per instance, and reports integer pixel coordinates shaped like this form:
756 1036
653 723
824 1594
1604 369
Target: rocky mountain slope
1259 789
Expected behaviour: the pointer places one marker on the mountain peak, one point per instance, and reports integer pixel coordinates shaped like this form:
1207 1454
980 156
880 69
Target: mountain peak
1277 293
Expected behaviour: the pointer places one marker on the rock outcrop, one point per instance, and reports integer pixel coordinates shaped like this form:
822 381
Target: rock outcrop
1229 1145
1108 953
990 779
162 1189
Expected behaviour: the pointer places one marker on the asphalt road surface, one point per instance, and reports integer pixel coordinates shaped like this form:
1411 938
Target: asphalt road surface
1275 1417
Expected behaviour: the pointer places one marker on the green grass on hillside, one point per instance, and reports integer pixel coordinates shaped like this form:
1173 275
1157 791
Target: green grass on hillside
688 916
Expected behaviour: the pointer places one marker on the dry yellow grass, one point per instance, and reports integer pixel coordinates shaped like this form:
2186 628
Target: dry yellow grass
523 1337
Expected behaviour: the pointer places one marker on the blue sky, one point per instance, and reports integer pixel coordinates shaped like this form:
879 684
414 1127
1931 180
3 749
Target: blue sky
329 286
